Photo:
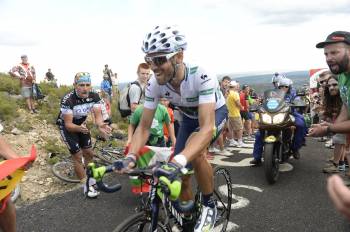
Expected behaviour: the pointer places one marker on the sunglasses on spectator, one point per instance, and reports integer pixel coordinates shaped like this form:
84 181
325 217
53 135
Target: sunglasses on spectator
283 86
333 85
323 82
160 59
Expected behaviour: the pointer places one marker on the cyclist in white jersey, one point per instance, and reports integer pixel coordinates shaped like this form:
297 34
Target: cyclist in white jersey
197 94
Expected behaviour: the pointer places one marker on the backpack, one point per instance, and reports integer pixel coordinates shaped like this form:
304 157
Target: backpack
37 93
124 99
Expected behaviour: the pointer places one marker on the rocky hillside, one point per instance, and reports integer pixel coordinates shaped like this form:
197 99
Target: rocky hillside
22 129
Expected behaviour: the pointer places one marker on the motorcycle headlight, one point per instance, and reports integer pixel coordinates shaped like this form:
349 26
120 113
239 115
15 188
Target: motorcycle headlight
266 118
278 118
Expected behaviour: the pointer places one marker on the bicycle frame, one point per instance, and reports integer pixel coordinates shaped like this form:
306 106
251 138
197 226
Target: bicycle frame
155 199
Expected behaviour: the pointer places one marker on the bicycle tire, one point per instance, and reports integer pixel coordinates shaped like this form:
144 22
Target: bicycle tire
64 170
223 197
139 222
15 193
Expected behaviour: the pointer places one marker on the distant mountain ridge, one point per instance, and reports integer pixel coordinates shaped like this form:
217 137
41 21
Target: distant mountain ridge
260 82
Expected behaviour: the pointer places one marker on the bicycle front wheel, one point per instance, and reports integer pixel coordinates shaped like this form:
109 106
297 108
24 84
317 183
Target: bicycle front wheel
64 170
139 222
223 197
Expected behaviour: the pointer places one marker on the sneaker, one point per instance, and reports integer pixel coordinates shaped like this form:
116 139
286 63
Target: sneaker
255 162
91 192
241 144
206 220
214 150
333 168
341 167
233 143
224 152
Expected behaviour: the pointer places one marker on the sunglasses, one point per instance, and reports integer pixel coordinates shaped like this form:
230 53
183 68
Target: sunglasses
283 86
84 85
332 85
160 59
322 82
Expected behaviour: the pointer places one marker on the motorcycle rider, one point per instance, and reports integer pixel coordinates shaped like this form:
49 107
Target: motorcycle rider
286 85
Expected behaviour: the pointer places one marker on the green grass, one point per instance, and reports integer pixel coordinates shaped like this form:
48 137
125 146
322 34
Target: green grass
9 84
8 107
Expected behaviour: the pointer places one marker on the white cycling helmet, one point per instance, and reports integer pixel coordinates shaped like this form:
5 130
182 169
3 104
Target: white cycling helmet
285 82
277 77
166 39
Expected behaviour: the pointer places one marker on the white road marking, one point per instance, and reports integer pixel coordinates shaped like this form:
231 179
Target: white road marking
218 159
286 167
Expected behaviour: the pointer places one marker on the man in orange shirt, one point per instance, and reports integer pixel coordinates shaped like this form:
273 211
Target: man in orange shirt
25 72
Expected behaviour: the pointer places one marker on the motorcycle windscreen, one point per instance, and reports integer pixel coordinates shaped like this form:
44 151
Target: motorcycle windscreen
273 99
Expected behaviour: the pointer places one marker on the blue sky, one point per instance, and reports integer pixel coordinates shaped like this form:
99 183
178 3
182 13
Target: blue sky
224 36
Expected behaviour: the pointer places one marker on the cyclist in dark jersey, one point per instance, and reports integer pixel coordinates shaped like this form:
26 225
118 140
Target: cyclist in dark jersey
75 106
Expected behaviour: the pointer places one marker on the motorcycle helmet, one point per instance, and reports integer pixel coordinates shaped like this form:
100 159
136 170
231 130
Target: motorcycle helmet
277 77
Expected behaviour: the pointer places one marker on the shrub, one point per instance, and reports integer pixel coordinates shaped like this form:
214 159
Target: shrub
9 84
8 107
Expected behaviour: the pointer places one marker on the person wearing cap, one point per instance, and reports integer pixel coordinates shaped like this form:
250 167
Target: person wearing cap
336 49
234 107
25 72
74 109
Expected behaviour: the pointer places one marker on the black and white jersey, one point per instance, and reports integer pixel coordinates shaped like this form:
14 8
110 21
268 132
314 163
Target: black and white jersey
78 107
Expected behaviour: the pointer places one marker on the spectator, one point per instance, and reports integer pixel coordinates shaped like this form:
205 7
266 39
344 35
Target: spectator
235 122
107 73
136 92
49 77
224 84
115 84
332 107
25 72
106 88
244 110
156 135
336 49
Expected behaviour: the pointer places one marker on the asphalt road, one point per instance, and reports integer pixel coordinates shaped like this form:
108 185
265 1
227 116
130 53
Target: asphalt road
297 202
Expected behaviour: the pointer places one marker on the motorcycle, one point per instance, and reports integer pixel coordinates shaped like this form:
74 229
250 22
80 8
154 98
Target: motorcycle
276 119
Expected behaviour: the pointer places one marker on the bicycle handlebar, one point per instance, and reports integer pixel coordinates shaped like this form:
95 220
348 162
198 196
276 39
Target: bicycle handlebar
98 173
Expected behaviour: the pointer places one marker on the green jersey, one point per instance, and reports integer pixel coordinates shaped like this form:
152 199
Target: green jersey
160 116
344 89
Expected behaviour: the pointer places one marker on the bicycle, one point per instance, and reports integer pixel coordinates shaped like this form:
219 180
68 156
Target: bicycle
105 155
158 212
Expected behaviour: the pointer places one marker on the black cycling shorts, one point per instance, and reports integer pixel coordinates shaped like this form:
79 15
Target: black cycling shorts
75 141
245 115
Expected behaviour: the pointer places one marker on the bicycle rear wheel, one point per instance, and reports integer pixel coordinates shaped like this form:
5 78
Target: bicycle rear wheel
223 197
139 222
64 170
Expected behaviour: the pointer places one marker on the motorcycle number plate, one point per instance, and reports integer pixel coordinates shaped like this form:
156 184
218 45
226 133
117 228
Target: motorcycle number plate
272 104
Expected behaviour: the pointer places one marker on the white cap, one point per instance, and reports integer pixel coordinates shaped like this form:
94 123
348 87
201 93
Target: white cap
233 83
